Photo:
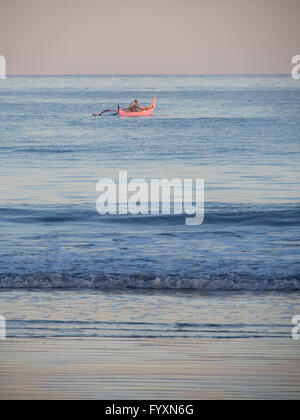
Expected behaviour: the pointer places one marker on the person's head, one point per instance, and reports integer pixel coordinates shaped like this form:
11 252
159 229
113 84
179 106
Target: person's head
135 101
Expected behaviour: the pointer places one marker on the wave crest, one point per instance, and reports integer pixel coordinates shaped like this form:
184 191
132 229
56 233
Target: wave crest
205 283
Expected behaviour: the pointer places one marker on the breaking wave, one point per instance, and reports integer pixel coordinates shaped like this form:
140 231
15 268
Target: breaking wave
205 283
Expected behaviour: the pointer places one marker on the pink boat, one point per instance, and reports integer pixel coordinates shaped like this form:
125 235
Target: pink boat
144 111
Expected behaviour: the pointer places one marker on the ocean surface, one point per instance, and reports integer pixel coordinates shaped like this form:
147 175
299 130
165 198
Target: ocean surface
241 134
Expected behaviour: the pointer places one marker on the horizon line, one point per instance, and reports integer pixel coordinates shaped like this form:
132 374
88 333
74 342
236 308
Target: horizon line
146 74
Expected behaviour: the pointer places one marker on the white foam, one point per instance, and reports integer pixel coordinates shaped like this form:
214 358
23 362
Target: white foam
58 281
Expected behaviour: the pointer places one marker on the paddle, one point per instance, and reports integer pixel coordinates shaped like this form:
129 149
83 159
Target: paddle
106 110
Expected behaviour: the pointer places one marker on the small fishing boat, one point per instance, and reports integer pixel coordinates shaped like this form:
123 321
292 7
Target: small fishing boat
144 111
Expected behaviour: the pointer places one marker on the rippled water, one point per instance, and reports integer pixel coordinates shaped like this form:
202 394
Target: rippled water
153 314
238 133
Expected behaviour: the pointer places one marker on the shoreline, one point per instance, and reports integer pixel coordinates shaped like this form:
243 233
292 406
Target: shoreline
149 368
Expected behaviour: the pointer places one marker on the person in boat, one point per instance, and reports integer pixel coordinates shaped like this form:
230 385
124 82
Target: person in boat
133 106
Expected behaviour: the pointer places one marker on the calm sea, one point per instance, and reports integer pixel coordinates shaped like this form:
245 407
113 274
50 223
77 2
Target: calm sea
238 133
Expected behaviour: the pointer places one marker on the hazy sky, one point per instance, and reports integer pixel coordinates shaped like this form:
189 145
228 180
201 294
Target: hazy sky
155 36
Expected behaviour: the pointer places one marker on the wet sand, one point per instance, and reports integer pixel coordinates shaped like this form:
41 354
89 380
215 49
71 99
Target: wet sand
154 368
